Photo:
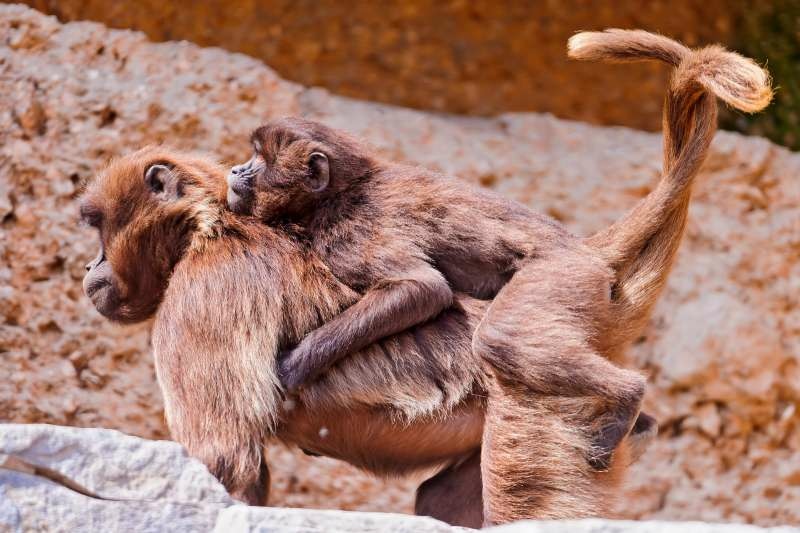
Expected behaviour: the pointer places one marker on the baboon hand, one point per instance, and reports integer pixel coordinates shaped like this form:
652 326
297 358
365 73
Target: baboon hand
293 368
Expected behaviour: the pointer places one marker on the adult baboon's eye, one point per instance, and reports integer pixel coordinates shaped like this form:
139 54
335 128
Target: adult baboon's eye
91 216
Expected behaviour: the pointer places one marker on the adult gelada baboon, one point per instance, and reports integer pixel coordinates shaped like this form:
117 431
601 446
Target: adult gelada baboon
228 292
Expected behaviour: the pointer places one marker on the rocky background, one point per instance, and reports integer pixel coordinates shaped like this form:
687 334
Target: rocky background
723 348
478 57
471 57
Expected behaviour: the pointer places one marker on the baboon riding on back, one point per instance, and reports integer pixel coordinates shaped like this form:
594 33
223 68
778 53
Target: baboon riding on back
525 378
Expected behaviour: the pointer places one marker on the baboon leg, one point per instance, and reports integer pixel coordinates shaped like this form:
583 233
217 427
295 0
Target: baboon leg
454 494
642 434
533 459
539 331
255 492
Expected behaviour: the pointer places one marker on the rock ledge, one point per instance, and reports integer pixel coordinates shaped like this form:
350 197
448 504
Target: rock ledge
154 486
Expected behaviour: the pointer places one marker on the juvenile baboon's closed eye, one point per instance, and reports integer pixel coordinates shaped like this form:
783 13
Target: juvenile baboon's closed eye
163 181
318 172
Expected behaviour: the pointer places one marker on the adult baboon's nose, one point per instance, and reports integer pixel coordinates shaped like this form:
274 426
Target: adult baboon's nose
238 169
96 261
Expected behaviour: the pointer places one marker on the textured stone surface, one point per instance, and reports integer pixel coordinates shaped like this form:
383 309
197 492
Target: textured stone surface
723 348
156 485
479 57
608 526
153 486
243 519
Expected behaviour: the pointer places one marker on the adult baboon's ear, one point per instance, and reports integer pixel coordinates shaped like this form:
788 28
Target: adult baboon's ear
319 174
163 181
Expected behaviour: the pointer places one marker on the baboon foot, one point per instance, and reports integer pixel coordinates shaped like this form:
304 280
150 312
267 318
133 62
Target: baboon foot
617 426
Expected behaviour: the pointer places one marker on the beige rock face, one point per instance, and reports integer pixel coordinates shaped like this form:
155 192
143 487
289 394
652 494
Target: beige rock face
137 485
480 57
723 348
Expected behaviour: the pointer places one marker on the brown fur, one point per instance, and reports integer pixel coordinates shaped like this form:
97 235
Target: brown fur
636 253
402 236
453 495
405 239
239 291
642 245
229 292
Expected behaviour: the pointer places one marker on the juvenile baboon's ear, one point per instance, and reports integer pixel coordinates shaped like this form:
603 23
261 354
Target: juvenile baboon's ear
163 181
318 172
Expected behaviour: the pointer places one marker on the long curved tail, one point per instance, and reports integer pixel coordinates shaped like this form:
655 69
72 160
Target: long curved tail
641 246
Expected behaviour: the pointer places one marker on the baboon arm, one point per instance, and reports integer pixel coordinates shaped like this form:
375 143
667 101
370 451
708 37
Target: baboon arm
391 306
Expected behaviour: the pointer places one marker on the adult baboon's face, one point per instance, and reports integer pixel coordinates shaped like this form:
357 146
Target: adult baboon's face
145 208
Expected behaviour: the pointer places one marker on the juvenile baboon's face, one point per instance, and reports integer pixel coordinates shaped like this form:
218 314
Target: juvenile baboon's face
146 207
295 165
287 173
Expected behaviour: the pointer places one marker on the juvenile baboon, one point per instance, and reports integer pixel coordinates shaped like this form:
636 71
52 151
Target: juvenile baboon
405 238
